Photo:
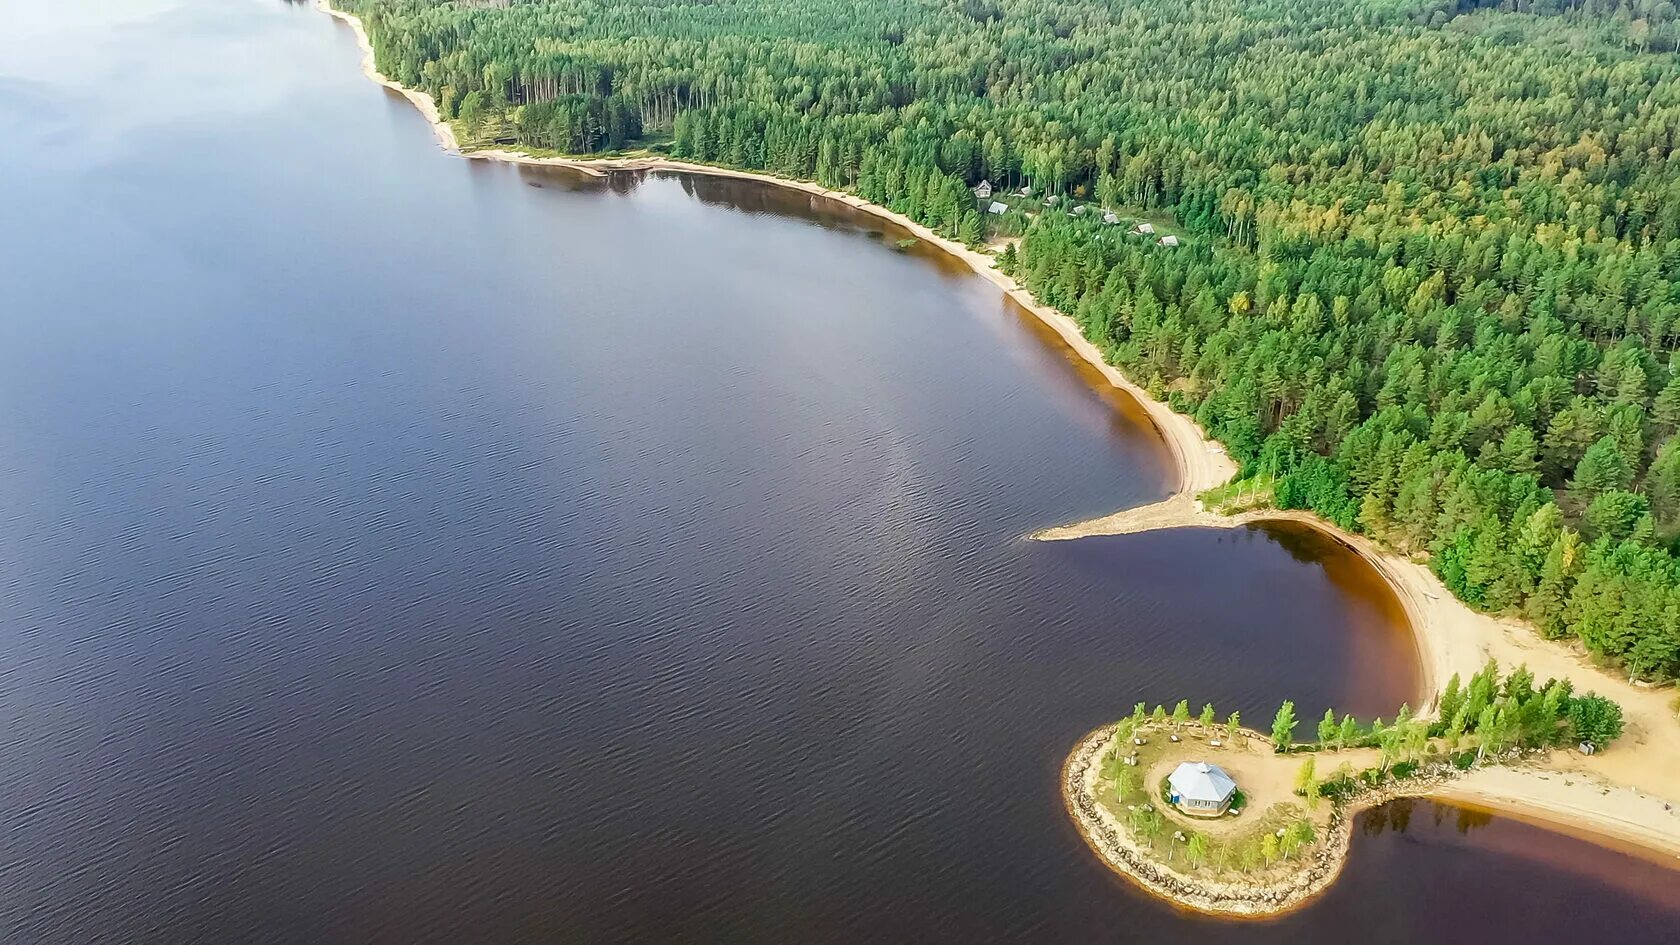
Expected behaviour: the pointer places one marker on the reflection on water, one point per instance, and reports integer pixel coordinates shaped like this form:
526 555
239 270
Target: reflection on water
1396 817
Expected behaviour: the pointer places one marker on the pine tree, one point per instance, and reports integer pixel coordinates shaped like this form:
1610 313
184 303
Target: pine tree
1304 783
1327 727
1546 606
1452 697
1662 483
1283 726
1665 410
1196 851
1615 514
1601 468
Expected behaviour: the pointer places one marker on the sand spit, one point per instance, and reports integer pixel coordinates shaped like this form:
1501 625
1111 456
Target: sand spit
1629 793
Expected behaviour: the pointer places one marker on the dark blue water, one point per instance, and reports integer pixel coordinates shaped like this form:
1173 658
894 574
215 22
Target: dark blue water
396 548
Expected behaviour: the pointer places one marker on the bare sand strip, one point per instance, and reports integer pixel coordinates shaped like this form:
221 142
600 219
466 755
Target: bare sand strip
420 100
1451 638
1201 463
1629 793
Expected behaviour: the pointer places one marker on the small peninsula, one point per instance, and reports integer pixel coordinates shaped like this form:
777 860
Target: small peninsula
1222 819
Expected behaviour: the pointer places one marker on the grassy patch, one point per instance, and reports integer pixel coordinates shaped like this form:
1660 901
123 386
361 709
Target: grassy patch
1240 495
1255 849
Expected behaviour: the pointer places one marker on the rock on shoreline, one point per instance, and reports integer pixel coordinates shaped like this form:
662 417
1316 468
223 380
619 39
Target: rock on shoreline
1242 899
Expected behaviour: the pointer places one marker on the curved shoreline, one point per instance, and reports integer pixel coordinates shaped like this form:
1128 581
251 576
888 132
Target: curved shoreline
1108 839
1199 462
1450 637
1625 795
1439 654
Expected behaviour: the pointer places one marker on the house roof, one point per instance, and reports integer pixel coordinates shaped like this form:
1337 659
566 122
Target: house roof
997 207
1200 781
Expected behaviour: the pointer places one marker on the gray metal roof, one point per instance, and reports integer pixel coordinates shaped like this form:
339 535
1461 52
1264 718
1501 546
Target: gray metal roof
1200 781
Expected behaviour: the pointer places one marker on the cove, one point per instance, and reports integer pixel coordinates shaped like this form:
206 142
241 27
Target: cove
399 549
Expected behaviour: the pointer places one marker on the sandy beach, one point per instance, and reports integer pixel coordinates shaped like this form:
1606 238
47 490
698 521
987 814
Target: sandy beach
1629 793
1634 791
1201 463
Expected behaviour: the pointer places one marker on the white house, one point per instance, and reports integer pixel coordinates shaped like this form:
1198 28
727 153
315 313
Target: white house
1145 229
1110 218
1078 211
997 207
1196 787
984 190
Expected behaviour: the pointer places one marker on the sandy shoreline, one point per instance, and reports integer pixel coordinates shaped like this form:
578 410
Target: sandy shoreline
1450 637
1244 897
1201 463
1629 794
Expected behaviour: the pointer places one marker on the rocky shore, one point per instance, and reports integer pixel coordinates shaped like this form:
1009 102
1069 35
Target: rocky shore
1255 898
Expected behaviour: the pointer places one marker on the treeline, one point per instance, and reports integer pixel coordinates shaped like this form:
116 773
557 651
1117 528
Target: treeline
1490 712
1432 279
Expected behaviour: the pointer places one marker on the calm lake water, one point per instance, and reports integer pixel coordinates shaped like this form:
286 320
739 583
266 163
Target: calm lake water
399 549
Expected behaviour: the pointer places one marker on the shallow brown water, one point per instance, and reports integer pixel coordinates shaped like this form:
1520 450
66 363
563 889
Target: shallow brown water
403 549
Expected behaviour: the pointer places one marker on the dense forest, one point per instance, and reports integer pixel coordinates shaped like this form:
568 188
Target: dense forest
1429 280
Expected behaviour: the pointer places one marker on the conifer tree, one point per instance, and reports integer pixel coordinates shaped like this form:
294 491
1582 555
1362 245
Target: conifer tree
1283 726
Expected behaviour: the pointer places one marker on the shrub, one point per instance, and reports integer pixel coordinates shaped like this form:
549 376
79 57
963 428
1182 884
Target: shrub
1338 789
1595 719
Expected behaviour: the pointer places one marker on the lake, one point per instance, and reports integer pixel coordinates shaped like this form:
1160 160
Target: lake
398 548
